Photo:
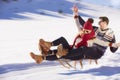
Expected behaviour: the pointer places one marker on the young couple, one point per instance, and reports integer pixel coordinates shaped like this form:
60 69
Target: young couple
91 42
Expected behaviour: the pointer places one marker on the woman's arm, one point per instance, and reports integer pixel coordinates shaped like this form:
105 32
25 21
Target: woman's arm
81 21
79 26
75 14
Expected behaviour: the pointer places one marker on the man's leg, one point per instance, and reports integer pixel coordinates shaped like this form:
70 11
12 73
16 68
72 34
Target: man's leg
93 53
75 54
51 57
40 58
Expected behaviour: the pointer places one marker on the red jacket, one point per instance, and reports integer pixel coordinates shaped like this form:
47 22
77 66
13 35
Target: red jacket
84 37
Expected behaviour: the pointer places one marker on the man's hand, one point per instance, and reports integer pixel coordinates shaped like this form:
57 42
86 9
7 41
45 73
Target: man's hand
116 45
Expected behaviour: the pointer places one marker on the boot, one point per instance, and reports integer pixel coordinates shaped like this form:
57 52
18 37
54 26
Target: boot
61 52
43 51
45 45
38 58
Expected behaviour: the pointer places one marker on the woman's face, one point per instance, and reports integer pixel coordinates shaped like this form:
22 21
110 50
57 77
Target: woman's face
86 31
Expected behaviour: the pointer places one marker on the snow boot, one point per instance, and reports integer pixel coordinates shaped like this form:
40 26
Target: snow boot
45 44
61 52
38 58
43 51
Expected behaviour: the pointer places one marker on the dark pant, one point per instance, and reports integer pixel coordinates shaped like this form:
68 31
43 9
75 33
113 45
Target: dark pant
93 52
76 54
73 54
84 53
56 42
62 41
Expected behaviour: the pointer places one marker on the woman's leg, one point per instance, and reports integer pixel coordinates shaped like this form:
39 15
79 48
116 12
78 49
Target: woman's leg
62 41
44 46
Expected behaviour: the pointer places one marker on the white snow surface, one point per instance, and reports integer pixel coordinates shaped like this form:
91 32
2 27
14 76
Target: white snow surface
24 22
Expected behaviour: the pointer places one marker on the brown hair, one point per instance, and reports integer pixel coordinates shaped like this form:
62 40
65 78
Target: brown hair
104 18
91 20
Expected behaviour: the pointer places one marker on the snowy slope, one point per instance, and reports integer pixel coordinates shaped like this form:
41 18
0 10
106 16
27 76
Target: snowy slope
24 22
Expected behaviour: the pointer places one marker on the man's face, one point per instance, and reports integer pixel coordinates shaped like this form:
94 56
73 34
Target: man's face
102 24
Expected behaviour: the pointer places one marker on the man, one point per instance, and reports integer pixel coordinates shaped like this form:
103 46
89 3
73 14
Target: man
97 47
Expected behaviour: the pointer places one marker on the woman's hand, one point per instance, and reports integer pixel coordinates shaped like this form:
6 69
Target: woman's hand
75 10
81 33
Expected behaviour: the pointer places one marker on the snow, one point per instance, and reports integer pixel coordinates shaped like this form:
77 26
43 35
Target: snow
24 22
110 3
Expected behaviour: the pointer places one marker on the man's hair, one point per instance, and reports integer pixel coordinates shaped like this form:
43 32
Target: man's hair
91 20
104 18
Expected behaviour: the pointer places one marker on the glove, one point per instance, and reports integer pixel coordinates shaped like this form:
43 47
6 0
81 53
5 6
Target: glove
90 43
75 10
116 45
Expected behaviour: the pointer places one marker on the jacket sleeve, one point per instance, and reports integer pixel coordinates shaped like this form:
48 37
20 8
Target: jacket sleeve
112 49
81 21
111 37
79 26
